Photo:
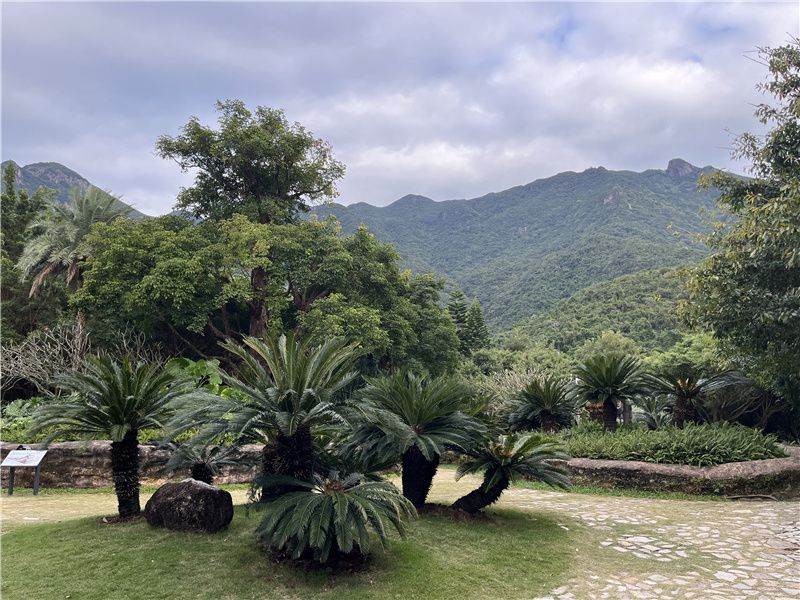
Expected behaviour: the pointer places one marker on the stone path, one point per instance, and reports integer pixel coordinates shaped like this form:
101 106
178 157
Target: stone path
642 548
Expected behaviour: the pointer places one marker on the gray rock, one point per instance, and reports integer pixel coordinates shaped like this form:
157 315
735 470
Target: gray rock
190 505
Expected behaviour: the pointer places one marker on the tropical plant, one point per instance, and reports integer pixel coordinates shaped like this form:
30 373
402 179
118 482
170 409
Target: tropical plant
700 445
203 461
331 517
654 411
544 404
505 459
684 386
606 380
56 246
115 400
413 418
284 389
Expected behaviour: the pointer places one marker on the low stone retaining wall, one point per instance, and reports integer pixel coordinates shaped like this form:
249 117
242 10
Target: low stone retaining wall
777 477
88 465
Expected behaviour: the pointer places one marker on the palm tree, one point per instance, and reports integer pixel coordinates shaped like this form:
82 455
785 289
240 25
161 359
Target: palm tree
284 389
56 248
331 517
684 385
543 403
116 400
414 419
508 458
604 381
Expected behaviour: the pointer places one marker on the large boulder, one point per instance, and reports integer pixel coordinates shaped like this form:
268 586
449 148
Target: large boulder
190 505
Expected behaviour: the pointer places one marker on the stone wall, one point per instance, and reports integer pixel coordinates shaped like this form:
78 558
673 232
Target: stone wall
777 477
88 464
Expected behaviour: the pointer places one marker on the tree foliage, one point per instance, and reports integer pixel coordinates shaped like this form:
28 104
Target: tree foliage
256 164
747 293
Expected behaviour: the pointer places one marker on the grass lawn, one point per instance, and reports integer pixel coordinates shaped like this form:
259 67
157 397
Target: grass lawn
512 554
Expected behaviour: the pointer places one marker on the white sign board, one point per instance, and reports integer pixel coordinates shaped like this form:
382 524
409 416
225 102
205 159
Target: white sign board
23 458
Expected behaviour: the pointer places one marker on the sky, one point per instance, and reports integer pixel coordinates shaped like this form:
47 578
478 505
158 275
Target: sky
450 100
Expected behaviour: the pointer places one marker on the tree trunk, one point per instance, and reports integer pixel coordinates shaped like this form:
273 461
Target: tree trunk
627 412
479 499
292 456
202 472
81 342
610 415
125 471
258 315
418 474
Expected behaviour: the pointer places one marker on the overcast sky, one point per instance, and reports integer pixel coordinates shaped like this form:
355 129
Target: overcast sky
444 100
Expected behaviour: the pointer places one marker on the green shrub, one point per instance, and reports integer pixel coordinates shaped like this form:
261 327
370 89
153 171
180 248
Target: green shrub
700 445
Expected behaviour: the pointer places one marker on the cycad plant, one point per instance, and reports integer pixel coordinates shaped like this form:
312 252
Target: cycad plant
684 385
543 404
333 517
413 418
116 400
202 461
606 381
505 459
283 390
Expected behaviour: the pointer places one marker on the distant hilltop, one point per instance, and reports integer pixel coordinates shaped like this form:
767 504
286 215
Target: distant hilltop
56 177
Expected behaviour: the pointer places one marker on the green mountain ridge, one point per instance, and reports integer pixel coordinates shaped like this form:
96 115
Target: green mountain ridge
56 177
521 250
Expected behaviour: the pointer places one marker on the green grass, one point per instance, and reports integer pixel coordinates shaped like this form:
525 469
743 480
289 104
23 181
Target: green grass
511 554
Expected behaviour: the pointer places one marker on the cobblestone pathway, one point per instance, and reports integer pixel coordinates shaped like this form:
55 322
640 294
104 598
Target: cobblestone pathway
635 548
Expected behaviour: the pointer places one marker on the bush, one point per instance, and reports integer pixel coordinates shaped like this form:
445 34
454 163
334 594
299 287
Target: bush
699 445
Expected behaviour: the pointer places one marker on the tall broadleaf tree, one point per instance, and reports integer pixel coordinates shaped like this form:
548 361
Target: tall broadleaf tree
256 164
747 293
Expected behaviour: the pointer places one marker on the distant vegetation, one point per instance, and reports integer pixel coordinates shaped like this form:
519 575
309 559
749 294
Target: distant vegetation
642 306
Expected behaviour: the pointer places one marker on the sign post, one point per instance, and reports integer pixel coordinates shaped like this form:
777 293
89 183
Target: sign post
22 457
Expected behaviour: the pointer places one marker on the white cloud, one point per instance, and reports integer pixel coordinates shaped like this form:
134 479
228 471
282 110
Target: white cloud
446 100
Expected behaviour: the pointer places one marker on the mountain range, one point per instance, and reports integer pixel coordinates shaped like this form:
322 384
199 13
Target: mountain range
522 250
56 177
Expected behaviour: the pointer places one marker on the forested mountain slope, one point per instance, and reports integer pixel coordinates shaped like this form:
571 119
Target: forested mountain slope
57 177
641 306
523 249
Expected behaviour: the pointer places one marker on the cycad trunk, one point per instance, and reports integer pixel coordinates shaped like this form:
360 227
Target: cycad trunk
548 422
682 412
418 473
610 415
595 410
125 470
290 455
202 472
479 499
